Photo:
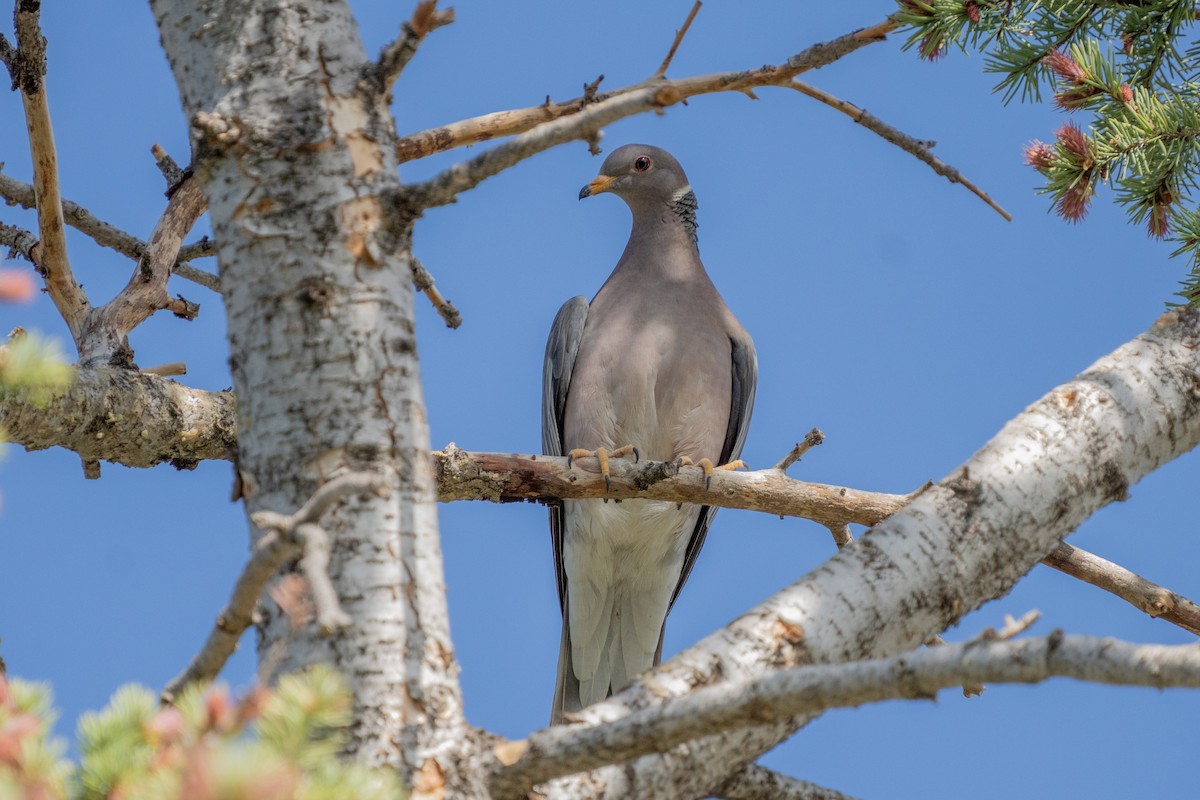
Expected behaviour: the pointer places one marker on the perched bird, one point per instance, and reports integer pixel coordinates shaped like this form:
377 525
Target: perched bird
655 367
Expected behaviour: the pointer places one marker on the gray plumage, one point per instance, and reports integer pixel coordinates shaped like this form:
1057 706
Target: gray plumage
656 361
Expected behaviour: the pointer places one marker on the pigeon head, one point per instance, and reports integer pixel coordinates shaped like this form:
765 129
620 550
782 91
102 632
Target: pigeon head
647 178
640 175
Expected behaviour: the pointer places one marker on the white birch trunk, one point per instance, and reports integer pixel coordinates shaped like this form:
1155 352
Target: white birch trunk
294 151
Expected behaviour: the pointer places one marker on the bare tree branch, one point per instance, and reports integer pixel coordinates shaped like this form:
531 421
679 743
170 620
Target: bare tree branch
922 150
104 337
1155 600
587 115
810 690
126 417
28 74
275 547
515 121
756 782
679 34
423 281
108 235
396 54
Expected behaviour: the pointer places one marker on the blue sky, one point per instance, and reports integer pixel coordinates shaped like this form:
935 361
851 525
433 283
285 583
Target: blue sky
889 308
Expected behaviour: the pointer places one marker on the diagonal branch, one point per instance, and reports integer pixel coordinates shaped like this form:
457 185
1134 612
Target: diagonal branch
287 535
1155 600
514 121
28 70
679 34
104 338
779 696
920 149
395 55
107 235
445 187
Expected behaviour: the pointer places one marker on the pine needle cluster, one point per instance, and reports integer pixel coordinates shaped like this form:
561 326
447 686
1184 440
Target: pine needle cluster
1130 66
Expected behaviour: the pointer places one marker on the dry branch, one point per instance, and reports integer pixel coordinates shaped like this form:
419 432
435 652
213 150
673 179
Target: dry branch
788 693
28 72
909 144
395 55
104 338
126 417
110 236
1155 600
679 34
276 546
516 121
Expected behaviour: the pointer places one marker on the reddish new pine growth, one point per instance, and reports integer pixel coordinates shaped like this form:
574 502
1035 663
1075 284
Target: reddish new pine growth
1065 67
1039 155
972 9
1126 94
1127 43
933 46
1073 206
1159 223
1074 144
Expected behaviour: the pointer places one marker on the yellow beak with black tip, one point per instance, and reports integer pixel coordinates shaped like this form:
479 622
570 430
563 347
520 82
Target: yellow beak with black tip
596 185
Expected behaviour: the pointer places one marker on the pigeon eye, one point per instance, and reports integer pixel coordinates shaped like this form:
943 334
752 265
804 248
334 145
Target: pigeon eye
641 163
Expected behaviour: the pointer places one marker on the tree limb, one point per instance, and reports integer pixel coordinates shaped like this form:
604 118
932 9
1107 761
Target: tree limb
118 416
107 235
515 121
1155 600
104 337
913 146
276 546
126 417
395 55
810 690
29 74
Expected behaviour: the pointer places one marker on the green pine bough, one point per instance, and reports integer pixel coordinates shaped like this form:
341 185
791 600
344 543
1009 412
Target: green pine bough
1127 65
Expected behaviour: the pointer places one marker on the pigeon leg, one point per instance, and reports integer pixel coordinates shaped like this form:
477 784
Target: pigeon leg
707 465
602 455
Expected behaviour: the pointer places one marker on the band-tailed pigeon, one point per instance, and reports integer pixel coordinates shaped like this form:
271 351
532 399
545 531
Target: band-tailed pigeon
656 366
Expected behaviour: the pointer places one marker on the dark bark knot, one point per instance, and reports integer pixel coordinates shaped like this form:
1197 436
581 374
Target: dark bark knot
1113 483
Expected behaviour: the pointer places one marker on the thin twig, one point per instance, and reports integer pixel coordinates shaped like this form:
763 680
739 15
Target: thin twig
274 547
424 283
108 235
1155 600
515 121
171 171
395 55
908 144
679 34
811 689
810 440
